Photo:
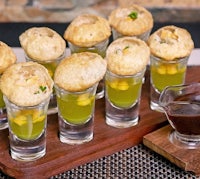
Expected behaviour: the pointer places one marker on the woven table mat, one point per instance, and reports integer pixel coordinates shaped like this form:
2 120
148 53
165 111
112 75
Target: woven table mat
137 162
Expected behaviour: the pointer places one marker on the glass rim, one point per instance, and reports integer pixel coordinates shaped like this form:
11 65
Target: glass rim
98 45
45 61
75 92
28 107
182 86
174 87
127 76
169 61
143 33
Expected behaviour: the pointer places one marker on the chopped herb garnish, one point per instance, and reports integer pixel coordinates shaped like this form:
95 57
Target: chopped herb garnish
133 15
43 88
126 47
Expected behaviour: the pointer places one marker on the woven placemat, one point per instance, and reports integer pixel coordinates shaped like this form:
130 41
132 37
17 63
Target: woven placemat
137 162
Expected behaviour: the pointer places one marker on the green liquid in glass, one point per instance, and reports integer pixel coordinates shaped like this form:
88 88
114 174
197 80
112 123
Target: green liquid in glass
167 75
123 93
51 67
76 109
27 124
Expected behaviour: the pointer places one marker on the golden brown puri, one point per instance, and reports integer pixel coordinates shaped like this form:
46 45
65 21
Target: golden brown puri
7 57
131 21
87 30
127 56
26 83
80 71
171 42
42 43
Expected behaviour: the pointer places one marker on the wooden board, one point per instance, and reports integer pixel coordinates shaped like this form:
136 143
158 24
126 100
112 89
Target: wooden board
107 140
187 159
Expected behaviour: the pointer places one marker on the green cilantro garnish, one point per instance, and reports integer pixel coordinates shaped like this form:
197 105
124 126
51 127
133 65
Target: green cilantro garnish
126 47
43 88
133 15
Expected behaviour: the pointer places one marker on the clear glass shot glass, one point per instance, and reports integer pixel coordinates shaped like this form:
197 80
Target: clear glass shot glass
122 97
3 113
51 66
165 73
76 115
27 130
100 49
144 36
181 105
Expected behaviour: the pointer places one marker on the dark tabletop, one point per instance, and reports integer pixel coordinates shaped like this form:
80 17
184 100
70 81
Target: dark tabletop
9 32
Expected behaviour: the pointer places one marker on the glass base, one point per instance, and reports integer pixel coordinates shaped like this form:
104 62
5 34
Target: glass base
28 156
3 119
122 117
156 107
27 150
154 99
184 141
72 141
3 124
121 123
52 110
75 134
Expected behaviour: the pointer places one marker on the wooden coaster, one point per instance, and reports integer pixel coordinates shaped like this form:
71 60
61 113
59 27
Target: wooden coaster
187 159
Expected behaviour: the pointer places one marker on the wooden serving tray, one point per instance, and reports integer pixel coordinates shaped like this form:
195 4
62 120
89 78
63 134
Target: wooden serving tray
107 140
187 159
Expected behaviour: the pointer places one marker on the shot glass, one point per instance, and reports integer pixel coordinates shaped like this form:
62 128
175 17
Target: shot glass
100 49
3 113
181 105
50 65
165 73
46 47
143 36
7 58
122 97
76 115
27 130
89 33
132 21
